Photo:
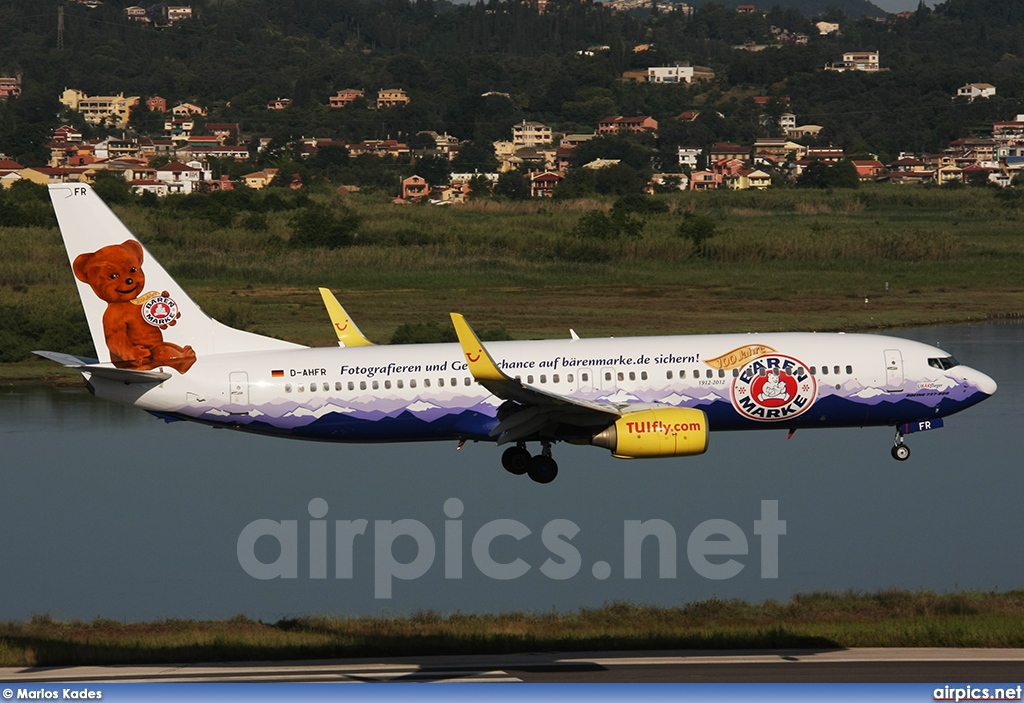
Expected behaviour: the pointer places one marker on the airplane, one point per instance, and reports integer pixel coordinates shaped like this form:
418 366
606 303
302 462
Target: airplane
639 397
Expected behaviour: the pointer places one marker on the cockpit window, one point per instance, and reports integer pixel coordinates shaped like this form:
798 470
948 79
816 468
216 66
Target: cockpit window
943 362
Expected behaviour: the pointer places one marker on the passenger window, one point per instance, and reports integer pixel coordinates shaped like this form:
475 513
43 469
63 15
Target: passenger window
585 377
302 388
554 378
762 373
607 376
835 370
721 373
643 375
387 385
543 378
632 375
814 370
412 383
529 378
849 370
401 383
376 385
682 373
287 388
455 382
351 386
824 371
735 373
337 385
710 373
362 385
668 375
621 376
568 378
440 382
466 381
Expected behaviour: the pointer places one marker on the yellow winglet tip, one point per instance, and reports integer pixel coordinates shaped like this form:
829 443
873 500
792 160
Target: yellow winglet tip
481 365
346 330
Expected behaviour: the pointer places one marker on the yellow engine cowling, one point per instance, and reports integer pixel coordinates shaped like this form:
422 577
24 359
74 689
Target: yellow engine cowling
654 433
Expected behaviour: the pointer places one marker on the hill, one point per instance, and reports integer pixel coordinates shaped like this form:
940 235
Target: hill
514 64
809 8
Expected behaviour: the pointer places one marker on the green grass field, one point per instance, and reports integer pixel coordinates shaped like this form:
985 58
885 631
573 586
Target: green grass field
876 257
817 620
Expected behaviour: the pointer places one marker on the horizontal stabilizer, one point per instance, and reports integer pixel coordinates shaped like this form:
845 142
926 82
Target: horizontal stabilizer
106 371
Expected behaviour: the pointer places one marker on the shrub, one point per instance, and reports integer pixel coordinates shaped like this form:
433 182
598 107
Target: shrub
697 228
317 226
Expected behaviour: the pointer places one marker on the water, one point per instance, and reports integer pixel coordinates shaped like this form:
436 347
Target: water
108 512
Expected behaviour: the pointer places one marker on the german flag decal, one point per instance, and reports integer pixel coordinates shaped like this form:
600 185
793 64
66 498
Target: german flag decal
277 373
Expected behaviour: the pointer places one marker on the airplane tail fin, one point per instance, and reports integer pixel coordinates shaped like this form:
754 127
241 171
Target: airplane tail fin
139 317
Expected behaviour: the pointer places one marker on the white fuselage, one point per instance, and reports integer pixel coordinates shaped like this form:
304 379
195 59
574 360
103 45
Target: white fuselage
426 392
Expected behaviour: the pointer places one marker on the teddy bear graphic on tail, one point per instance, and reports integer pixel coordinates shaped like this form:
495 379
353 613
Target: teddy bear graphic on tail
133 321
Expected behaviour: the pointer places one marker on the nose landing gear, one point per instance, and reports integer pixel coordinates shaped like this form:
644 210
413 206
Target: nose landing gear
541 468
900 451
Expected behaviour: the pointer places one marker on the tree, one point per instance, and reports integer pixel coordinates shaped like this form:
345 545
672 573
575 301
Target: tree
475 156
479 187
818 174
513 185
436 170
113 188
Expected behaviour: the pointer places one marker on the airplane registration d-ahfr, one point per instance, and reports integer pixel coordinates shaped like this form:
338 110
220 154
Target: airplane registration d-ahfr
639 397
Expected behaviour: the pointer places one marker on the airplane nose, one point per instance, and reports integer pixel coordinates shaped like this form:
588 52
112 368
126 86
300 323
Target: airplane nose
983 382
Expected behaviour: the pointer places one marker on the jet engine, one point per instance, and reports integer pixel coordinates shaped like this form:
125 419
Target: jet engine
654 433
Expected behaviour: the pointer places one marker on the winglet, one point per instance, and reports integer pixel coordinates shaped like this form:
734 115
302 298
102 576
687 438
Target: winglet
481 365
348 334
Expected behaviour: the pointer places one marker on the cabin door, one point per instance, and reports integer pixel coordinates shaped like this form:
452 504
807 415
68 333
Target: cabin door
238 396
893 370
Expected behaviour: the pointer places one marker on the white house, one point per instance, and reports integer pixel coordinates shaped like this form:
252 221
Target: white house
670 74
976 90
688 156
530 134
856 61
183 178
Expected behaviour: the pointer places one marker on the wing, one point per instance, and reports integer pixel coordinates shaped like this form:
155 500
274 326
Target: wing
530 411
347 331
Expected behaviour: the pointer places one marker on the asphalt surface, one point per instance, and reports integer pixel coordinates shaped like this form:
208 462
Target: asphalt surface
1005 666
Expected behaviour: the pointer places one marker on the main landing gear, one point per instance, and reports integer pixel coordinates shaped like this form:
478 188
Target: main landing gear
541 468
900 451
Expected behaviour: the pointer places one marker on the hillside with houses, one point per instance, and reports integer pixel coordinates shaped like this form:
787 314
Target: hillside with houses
548 99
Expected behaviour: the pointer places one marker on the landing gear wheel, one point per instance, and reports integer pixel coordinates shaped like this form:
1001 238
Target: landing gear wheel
900 452
516 460
543 469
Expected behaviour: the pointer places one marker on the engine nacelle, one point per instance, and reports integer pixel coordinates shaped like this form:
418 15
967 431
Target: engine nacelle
654 433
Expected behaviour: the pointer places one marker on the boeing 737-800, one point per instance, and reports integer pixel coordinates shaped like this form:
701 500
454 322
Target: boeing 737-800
639 397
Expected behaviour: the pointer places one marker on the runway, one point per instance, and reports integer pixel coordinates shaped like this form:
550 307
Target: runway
879 665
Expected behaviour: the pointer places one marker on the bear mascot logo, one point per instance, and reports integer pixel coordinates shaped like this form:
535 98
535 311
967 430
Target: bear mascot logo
132 322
